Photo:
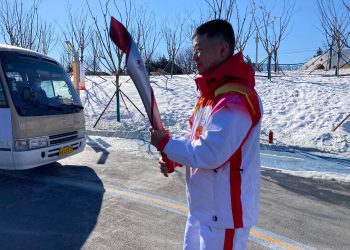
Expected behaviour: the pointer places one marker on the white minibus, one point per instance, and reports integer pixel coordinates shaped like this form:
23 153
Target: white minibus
41 116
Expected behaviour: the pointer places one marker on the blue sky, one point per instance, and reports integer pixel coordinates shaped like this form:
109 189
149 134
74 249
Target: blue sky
300 45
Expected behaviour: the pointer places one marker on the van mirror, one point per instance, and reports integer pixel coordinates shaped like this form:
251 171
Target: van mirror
27 94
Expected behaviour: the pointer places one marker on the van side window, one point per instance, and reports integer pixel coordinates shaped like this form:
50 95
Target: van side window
3 102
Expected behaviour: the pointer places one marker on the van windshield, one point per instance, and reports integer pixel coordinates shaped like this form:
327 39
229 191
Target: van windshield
39 87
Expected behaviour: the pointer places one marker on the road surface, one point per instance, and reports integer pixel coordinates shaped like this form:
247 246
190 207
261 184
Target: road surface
109 199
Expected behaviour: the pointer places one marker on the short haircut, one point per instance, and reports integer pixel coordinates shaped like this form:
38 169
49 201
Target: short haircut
218 28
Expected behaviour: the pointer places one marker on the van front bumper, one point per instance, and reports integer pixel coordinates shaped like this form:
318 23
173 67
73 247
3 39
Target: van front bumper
38 157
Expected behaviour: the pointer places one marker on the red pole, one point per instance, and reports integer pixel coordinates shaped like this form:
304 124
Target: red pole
270 137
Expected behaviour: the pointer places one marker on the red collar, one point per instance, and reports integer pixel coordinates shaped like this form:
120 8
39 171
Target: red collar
234 70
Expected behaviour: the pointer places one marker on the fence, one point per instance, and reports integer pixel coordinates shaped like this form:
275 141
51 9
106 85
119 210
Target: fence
281 67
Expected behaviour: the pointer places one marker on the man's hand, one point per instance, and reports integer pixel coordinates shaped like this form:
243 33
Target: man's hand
163 168
157 136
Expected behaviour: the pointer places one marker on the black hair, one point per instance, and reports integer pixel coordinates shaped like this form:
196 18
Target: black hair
218 28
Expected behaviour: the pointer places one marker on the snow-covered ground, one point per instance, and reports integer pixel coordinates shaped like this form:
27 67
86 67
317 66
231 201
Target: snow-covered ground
300 109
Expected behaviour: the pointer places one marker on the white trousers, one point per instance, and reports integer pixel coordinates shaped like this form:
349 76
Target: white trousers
203 237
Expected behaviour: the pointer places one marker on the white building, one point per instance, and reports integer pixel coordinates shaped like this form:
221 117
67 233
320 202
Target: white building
323 61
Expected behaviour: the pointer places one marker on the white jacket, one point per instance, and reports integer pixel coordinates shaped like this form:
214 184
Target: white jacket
223 166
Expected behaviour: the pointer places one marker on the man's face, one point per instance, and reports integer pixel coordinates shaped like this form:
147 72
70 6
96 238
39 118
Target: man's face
208 53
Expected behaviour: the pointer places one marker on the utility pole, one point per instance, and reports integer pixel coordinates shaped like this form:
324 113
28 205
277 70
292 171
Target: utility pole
257 47
75 66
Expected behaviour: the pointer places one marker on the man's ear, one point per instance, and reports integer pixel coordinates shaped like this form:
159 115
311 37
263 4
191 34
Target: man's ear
224 50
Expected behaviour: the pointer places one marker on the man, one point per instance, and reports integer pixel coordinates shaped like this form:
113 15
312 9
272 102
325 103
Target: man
222 153
39 94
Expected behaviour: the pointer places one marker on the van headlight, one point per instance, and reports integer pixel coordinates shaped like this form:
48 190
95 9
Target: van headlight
81 133
38 142
21 144
31 143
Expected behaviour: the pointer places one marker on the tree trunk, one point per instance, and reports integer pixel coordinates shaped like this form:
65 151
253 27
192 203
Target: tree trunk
269 67
276 62
172 68
330 57
338 63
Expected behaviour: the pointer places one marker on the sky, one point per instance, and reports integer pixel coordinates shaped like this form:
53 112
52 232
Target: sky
303 39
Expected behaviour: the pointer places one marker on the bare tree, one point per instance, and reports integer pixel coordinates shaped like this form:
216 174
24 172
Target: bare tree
346 4
111 57
184 60
280 27
47 40
273 30
266 21
66 59
347 37
146 33
23 28
220 9
78 30
335 23
93 62
244 27
173 37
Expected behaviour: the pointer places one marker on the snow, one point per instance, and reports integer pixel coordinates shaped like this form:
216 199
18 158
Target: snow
315 174
300 109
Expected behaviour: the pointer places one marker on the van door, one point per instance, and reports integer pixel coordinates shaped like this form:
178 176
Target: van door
6 160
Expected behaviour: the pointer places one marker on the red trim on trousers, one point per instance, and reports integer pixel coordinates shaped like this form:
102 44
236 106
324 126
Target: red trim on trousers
229 238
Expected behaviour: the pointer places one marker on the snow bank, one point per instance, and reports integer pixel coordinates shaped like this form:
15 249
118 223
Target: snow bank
315 175
301 109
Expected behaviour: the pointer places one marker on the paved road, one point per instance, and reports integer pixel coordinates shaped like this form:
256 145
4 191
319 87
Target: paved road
106 199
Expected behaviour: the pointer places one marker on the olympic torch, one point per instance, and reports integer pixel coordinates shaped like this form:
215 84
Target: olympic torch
138 73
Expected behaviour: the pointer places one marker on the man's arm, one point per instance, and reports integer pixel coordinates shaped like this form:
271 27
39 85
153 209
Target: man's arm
225 133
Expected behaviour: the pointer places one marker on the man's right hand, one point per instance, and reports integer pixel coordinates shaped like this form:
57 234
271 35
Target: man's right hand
163 168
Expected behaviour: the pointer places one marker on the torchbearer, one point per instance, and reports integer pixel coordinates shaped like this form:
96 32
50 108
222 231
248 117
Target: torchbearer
221 155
